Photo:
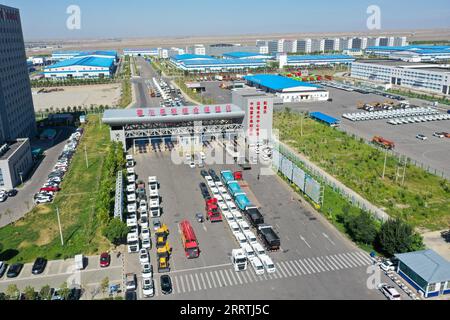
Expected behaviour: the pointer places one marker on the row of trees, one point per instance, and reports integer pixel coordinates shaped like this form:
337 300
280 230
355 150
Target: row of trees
45 83
391 237
113 229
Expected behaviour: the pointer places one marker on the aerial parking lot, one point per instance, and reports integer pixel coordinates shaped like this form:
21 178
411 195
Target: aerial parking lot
431 154
313 255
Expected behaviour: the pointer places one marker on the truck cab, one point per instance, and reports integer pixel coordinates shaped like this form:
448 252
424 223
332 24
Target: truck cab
133 242
239 260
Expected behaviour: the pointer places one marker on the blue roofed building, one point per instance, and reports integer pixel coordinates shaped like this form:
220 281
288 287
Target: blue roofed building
426 271
81 67
246 55
207 64
289 90
64 55
421 53
322 117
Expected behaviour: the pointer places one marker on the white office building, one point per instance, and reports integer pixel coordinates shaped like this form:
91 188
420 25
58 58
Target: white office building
429 78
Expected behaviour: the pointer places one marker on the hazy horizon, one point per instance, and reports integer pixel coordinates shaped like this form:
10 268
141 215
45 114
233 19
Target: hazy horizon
103 19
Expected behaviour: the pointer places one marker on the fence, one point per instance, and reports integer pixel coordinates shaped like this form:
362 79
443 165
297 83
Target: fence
314 176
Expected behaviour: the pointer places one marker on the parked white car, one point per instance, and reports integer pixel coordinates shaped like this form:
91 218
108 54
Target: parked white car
257 265
147 271
267 263
148 288
143 256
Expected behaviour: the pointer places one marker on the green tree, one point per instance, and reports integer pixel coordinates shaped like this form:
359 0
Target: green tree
104 285
12 291
361 227
116 231
64 291
45 292
30 293
396 236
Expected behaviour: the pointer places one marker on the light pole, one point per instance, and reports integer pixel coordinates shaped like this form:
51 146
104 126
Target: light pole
85 154
21 177
59 224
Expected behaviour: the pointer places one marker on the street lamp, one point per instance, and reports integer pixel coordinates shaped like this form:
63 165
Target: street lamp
21 177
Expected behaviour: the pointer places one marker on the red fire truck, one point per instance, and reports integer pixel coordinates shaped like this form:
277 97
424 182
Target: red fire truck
189 240
212 210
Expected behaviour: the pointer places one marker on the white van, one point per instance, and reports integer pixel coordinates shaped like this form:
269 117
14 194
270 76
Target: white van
244 226
389 291
234 227
237 216
249 252
240 238
259 249
257 266
250 237
267 263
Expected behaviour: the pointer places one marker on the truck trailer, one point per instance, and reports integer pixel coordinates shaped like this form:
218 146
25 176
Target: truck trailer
254 215
269 237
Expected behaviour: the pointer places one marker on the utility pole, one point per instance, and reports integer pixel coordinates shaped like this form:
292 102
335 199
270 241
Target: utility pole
59 223
301 125
404 171
85 154
385 161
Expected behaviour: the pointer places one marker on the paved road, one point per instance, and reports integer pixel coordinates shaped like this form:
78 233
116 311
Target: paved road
314 255
15 208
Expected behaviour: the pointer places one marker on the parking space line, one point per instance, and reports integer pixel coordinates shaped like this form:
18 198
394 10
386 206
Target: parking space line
193 283
238 277
203 280
209 281
155 287
280 273
353 254
188 285
198 282
228 277
311 262
253 276
298 265
364 256
223 278
331 262
287 269
274 275
304 265
345 263
218 278
177 285
314 270
182 284
212 278
317 263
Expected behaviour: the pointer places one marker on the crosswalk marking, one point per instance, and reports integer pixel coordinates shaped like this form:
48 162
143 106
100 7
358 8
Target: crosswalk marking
155 287
177 285
219 278
198 282
300 267
331 262
304 266
238 277
213 279
203 280
312 264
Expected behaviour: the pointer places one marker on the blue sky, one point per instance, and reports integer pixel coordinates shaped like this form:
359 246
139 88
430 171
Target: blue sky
46 19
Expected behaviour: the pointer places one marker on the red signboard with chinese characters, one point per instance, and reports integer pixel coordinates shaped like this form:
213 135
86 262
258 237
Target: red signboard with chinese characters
162 112
196 110
140 112
185 110
174 111
207 109
228 108
218 109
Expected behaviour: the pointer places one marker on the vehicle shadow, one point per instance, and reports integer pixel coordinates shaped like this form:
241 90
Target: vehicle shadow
8 254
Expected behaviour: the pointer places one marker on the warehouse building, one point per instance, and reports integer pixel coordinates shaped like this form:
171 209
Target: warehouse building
314 60
246 55
84 67
430 78
140 52
287 89
64 55
207 64
412 53
426 271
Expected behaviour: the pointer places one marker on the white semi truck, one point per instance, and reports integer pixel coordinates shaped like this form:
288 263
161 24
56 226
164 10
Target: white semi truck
239 260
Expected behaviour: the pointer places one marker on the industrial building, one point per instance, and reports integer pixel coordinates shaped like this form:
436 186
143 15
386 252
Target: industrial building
81 67
426 271
429 78
17 118
287 89
64 55
193 124
246 55
207 64
219 49
412 53
140 52
314 60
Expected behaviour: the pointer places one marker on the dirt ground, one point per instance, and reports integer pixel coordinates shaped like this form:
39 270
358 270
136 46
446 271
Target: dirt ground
106 94
435 241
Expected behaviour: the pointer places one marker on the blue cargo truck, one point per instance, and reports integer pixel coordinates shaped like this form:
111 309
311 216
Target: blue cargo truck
227 176
234 188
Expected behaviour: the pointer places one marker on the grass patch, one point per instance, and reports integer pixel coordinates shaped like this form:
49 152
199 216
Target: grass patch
37 234
423 199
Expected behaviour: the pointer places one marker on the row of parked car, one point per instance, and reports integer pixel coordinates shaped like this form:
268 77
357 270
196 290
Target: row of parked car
5 194
436 117
54 179
240 228
391 114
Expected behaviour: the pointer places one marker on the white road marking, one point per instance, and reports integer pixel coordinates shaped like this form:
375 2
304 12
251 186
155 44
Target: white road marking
187 283
309 263
317 264
201 268
209 281
351 258
348 260
304 265
281 271
299 266
182 284
233 276
322 263
364 256
340 259
354 255
238 277
331 262
326 236
294 267
289 268
304 240
229 280
242 273
198 282
218 279
203 280
177 285
193 283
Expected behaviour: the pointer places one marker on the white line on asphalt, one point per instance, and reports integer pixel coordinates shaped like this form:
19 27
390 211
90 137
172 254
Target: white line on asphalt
203 280
317 264
182 284
364 256
339 264
345 263
242 273
218 279
331 262
283 267
234 278
209 281
304 265
155 287
187 283
303 239
299 266
201 268
294 268
326 236
238 277
313 268
348 260
353 259
228 277
223 278
323 264
204 227
281 271
177 285
354 255
193 283
289 268
198 282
